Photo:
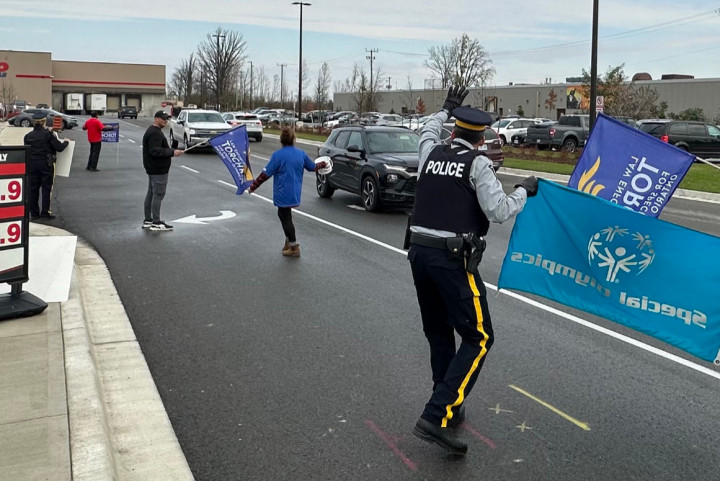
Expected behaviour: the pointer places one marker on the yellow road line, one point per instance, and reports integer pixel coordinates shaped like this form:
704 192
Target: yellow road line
580 424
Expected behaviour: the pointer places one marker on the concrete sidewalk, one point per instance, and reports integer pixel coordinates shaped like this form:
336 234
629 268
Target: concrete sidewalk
77 400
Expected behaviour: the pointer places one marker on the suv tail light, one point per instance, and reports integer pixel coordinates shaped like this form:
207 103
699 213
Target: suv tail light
552 132
665 138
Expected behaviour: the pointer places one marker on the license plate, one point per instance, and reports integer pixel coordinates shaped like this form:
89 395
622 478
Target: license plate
538 141
516 141
483 147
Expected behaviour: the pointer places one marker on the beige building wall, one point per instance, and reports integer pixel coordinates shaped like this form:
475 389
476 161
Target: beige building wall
26 76
100 77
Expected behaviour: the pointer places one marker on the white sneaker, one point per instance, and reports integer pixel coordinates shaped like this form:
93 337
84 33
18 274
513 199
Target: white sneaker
146 224
160 226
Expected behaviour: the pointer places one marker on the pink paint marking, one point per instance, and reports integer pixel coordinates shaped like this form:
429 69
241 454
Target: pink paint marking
391 444
475 433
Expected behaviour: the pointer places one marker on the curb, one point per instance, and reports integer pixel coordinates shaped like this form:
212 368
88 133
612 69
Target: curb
119 429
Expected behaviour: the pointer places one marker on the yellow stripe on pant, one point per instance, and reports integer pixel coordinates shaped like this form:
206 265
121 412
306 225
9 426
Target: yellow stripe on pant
483 351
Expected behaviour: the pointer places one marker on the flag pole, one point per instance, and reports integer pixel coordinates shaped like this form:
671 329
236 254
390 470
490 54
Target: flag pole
707 162
197 145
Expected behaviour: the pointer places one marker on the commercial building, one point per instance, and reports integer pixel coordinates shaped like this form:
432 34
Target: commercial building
38 79
544 100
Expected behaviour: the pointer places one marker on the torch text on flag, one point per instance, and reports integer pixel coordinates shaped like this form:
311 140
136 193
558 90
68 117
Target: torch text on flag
232 147
111 135
650 275
629 167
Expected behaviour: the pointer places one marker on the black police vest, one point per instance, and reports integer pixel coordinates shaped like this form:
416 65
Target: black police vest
444 196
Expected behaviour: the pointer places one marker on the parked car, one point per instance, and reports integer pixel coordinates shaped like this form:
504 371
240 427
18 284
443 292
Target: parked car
378 163
698 138
492 148
250 121
388 119
25 118
569 133
128 111
507 127
193 127
518 139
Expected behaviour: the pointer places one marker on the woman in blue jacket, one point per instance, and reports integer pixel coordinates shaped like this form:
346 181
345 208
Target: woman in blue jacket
287 165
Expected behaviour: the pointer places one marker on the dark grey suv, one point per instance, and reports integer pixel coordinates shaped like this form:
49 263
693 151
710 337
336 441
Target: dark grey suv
698 138
378 163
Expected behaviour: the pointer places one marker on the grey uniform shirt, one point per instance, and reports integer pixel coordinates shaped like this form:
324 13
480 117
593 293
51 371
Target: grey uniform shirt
497 206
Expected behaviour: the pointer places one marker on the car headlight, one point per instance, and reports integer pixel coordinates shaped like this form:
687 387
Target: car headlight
395 167
191 132
391 178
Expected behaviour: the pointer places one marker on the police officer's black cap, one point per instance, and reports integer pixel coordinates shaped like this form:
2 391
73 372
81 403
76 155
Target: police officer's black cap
471 118
38 116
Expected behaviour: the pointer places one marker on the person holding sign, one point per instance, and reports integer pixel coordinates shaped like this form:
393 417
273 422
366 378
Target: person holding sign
157 156
287 165
94 128
41 173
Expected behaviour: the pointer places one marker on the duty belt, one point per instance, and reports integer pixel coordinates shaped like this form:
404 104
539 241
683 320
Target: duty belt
453 244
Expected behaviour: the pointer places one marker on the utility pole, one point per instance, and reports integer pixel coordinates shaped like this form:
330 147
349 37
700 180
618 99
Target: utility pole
389 85
251 85
593 65
282 84
371 57
217 36
300 77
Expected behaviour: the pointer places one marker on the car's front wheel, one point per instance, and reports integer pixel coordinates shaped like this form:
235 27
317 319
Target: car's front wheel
370 194
258 138
322 184
502 141
25 123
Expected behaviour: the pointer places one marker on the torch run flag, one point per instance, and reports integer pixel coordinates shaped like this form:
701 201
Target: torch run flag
629 167
232 147
650 275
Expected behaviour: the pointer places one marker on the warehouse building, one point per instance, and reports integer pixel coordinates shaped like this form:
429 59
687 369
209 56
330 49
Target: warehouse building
545 100
66 85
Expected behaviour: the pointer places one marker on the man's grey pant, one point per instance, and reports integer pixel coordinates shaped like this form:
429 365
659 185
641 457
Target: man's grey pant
155 194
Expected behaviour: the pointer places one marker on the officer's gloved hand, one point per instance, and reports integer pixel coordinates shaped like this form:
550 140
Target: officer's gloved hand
455 96
530 184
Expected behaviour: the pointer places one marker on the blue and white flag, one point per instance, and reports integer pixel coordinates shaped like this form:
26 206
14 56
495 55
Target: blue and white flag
629 167
113 135
648 274
232 147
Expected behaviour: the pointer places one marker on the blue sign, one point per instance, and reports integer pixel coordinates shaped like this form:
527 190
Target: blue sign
645 273
111 135
232 147
629 167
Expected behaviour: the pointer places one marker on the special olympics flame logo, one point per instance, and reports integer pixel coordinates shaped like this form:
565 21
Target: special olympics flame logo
616 250
587 183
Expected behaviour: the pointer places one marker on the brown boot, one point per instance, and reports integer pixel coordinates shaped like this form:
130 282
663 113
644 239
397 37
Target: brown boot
287 245
292 251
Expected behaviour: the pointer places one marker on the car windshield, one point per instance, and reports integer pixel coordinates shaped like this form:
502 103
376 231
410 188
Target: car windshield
205 117
401 142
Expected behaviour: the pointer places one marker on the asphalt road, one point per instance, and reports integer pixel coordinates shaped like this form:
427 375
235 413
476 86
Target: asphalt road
316 368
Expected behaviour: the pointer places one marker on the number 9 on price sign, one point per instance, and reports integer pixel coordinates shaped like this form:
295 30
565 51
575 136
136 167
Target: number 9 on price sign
11 190
10 233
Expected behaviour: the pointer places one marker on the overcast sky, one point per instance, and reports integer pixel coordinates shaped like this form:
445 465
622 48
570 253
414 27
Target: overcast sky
528 41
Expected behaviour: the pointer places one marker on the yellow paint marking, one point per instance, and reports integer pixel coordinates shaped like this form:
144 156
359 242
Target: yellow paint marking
579 424
498 410
522 427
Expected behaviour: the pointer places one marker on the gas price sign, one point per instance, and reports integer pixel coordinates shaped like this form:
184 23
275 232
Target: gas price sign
13 216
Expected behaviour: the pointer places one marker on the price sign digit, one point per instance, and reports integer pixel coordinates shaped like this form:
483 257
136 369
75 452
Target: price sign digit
10 233
11 190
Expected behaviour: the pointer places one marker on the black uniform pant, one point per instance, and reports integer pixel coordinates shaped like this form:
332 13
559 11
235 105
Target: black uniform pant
451 300
94 155
40 176
285 215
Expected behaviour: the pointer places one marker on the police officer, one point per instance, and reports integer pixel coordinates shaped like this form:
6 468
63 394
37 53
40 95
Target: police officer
457 196
44 145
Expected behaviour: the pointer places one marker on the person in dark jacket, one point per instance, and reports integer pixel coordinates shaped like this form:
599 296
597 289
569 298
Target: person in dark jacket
157 156
287 165
44 145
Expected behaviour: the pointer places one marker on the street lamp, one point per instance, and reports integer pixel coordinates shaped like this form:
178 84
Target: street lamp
299 108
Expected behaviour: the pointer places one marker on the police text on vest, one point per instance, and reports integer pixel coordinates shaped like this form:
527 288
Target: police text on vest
453 169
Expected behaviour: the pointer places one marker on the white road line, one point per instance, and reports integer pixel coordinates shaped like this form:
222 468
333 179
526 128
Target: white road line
131 141
122 136
526 300
191 170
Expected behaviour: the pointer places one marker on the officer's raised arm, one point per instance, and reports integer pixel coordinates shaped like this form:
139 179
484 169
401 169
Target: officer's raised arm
430 133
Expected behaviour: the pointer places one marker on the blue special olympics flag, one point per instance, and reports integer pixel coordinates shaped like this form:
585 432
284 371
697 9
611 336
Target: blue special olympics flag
111 135
232 147
650 275
629 167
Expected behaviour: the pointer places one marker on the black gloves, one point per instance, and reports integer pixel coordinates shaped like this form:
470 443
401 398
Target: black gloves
455 96
530 185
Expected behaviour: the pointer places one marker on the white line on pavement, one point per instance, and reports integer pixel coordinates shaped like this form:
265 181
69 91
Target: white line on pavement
131 141
191 170
526 300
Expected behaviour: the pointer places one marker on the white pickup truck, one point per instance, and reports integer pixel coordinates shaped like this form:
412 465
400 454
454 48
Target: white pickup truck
195 126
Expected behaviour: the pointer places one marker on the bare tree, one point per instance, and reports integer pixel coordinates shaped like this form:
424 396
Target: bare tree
7 94
182 78
622 97
222 55
322 86
408 99
464 62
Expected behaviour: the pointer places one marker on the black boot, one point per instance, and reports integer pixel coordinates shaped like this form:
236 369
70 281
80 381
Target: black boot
458 418
443 437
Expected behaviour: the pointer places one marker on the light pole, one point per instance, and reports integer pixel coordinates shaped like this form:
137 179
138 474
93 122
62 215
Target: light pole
299 107
593 65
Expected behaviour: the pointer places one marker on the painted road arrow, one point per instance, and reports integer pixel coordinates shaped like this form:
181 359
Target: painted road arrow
193 219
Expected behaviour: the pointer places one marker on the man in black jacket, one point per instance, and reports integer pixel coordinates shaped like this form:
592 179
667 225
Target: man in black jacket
41 173
157 156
